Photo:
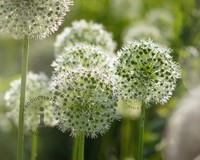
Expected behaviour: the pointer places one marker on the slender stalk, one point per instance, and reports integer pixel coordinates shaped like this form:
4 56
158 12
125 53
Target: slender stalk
81 147
34 146
126 139
75 148
141 132
24 69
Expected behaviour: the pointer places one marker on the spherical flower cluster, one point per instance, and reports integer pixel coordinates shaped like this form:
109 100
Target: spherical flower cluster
187 114
147 72
81 55
37 101
142 30
163 20
33 18
84 101
85 32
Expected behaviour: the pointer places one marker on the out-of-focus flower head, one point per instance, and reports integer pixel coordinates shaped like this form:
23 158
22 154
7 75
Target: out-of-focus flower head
37 101
85 32
163 20
142 30
33 18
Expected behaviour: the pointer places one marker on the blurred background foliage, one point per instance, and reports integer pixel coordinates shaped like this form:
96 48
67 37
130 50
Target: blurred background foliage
175 23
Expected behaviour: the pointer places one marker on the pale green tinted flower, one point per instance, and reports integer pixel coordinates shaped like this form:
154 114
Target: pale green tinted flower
34 18
37 101
85 32
162 19
147 72
84 101
183 128
81 55
142 30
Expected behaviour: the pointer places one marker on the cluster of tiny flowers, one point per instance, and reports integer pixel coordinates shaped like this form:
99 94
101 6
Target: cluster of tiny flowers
37 101
85 32
81 55
84 101
147 72
33 18
142 30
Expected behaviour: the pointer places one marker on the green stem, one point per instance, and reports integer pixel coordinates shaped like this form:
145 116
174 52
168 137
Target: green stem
24 69
81 147
141 132
126 139
34 146
75 148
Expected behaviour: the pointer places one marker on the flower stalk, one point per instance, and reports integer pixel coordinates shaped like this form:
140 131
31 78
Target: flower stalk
81 147
141 132
25 55
75 148
34 146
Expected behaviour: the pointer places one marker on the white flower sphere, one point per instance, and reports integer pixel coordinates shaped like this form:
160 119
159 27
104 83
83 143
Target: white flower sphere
82 55
37 101
148 72
85 32
85 101
33 18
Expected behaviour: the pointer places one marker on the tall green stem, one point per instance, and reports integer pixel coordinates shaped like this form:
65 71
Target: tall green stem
81 147
141 132
24 69
75 148
34 146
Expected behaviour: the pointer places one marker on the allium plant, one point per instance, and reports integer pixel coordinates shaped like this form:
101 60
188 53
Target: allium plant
142 29
85 103
37 86
81 55
148 74
37 103
32 18
24 19
85 32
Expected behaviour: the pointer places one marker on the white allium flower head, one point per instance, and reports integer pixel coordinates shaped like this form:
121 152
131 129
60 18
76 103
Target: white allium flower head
148 72
37 86
84 101
82 55
85 32
142 30
34 18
